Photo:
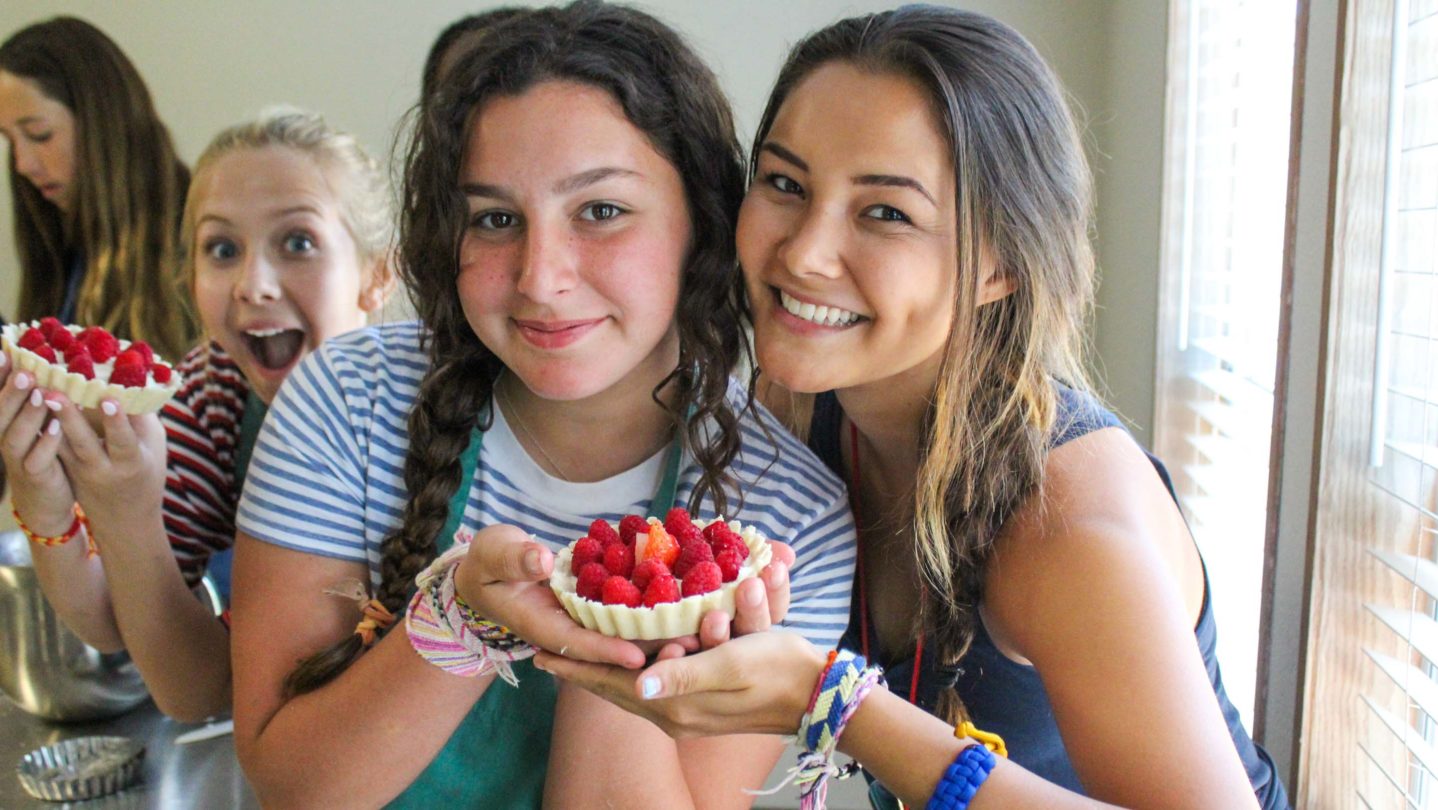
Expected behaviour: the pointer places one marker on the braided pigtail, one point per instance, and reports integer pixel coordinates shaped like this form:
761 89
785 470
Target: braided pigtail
450 404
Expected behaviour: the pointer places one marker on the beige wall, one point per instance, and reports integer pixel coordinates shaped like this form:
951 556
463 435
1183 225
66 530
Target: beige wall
211 64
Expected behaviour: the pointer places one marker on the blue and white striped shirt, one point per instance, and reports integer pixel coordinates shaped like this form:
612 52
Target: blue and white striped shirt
327 477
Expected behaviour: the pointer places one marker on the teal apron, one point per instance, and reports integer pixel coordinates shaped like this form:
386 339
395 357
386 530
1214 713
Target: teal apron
499 755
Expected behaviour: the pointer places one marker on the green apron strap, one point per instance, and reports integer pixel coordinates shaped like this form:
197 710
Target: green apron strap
664 497
499 755
255 410
468 463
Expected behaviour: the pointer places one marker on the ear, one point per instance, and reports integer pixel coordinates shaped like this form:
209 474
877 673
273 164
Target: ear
995 286
379 283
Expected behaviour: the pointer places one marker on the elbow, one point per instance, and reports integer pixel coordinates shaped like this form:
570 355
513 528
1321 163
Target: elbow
192 706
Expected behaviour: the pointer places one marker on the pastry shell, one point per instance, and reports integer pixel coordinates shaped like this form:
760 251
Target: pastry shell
85 393
667 620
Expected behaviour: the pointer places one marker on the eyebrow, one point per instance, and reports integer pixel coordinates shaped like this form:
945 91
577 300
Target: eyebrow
565 186
895 181
889 180
784 154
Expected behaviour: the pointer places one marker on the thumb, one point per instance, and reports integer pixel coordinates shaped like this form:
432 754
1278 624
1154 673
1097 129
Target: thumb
506 554
692 674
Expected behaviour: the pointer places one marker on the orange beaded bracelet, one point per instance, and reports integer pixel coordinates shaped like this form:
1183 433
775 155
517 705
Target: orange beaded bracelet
61 539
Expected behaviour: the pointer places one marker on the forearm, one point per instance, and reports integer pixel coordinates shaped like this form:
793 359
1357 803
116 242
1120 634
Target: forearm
602 756
74 585
361 739
176 641
908 750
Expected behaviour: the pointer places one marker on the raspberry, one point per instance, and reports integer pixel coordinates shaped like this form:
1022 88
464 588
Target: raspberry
130 357
78 361
619 591
659 546
717 529
128 376
601 530
630 526
677 518
591 581
702 578
663 588
102 344
619 559
688 534
32 339
645 572
691 555
161 373
46 352
49 327
62 339
586 551
730 542
729 564
144 350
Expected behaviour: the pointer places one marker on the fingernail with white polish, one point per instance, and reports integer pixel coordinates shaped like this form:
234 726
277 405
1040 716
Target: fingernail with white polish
52 404
3 360
651 687
52 428
109 408
36 398
22 381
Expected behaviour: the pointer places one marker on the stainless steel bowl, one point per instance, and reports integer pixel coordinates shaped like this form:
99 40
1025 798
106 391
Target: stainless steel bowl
44 668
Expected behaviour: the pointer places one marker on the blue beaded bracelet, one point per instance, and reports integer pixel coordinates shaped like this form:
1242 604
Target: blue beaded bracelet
962 779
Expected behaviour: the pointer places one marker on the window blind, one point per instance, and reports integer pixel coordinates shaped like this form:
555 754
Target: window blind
1400 740
1225 196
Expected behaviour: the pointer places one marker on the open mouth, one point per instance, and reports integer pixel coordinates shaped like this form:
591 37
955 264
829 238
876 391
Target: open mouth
817 313
275 349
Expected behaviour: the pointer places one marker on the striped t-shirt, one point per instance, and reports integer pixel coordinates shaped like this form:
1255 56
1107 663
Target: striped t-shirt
326 477
202 429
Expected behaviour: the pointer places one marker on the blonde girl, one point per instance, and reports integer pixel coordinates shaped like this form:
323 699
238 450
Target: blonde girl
287 240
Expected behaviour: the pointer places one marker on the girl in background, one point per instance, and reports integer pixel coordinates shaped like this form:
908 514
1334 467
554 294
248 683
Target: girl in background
96 186
916 245
567 239
287 236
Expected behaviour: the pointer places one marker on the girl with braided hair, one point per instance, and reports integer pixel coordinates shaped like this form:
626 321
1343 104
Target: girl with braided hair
916 244
566 235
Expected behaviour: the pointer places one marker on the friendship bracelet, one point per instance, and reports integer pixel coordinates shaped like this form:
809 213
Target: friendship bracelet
962 779
449 634
842 686
78 523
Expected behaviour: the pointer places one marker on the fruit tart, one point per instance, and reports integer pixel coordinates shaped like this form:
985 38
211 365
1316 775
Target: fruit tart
650 579
90 364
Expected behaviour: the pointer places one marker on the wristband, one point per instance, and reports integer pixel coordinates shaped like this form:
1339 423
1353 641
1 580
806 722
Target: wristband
962 779
449 634
61 539
843 684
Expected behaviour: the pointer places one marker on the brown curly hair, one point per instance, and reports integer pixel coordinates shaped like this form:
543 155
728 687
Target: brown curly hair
668 94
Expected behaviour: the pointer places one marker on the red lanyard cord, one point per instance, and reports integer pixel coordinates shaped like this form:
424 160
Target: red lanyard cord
863 586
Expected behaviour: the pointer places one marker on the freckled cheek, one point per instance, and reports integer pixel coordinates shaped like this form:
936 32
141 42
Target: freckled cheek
640 276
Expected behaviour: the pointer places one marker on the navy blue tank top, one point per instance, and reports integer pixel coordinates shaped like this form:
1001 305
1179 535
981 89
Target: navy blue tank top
1006 697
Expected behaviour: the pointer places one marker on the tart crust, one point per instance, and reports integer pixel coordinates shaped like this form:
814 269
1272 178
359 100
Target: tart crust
84 393
667 620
